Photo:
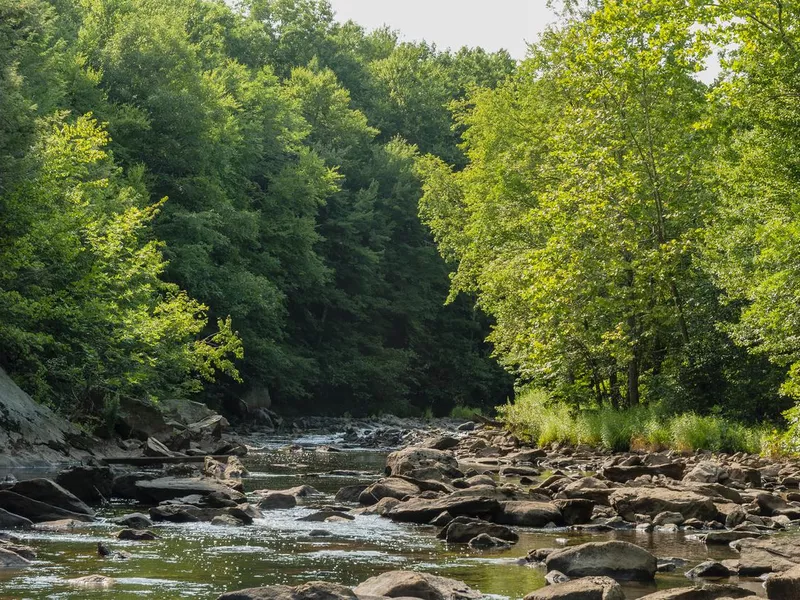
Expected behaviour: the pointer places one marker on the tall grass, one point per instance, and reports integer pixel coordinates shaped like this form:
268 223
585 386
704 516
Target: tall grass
465 412
534 416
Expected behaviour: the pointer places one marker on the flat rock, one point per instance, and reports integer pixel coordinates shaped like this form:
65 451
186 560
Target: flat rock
528 514
133 520
313 590
421 510
36 511
784 586
170 488
585 588
628 502
767 555
463 529
622 474
707 591
390 487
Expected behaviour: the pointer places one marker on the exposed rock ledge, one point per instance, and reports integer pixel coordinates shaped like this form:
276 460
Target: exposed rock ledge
31 433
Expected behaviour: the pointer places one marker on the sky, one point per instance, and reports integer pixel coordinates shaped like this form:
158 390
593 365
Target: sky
492 25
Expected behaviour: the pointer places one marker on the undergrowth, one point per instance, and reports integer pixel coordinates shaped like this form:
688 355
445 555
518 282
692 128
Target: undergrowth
535 417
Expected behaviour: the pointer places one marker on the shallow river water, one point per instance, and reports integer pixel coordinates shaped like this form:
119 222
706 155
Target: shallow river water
202 561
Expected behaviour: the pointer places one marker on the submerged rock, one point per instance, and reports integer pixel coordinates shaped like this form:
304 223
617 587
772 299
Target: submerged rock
92 581
12 560
314 590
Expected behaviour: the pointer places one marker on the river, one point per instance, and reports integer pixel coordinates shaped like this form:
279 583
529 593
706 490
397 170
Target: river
199 560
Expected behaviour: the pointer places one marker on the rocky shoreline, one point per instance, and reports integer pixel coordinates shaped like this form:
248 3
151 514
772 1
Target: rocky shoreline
479 487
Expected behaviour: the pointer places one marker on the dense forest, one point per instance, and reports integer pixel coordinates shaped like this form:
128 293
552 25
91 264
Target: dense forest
217 200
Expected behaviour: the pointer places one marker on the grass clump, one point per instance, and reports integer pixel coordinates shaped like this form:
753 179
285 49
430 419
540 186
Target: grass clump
465 412
536 417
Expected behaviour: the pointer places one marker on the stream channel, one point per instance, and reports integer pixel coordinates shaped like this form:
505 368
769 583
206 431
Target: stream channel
200 560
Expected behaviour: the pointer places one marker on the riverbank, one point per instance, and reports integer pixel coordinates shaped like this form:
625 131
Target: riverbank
476 505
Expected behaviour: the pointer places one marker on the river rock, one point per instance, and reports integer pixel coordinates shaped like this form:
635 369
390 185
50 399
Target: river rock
49 492
622 474
628 502
133 520
707 591
36 511
589 488
528 514
231 469
88 483
349 494
125 484
390 487
314 590
327 515
9 520
213 426
462 529
620 560
585 588
423 463
421 510
25 552
12 560
136 535
92 581
707 472
484 541
141 419
277 501
575 511
169 488
767 555
709 569
153 447
411 584
784 586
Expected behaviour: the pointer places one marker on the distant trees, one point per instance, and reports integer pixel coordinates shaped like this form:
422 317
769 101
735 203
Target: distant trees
286 252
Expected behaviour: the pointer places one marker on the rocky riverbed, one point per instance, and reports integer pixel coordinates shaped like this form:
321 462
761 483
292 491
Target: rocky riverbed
453 514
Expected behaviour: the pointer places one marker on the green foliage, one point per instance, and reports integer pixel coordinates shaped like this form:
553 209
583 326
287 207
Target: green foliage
537 417
465 412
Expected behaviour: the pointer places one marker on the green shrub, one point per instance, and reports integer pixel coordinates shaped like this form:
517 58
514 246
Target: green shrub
534 416
465 412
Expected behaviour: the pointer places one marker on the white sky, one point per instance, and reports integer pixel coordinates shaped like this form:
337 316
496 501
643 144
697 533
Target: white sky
490 24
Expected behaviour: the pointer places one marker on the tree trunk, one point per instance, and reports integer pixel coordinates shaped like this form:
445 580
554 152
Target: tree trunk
633 382
613 384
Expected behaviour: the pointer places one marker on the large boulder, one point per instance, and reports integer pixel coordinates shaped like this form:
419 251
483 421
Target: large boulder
411 584
170 488
89 483
422 510
628 502
390 487
784 586
185 411
313 590
707 472
36 511
142 419
620 560
462 529
767 555
49 492
528 514
585 588
423 463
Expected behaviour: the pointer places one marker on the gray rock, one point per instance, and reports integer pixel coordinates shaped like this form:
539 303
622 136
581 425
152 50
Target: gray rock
629 502
484 541
133 520
620 560
709 569
349 494
49 492
88 483
528 514
390 487
10 520
784 586
36 511
169 488
421 510
12 560
411 584
277 501
463 529
585 588
314 590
